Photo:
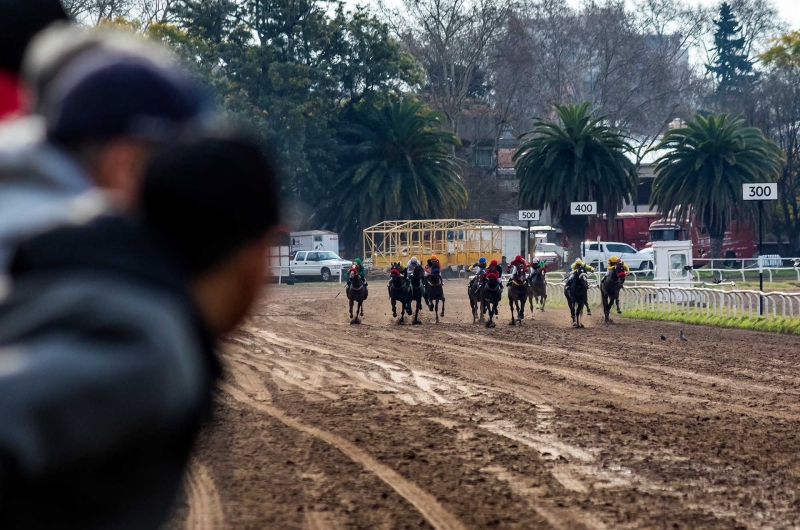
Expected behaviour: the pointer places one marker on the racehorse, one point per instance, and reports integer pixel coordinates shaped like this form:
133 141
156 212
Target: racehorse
475 293
609 289
537 288
399 292
417 288
434 291
577 296
517 294
491 298
356 293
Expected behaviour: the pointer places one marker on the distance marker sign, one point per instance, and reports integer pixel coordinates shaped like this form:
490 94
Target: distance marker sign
529 215
767 191
583 208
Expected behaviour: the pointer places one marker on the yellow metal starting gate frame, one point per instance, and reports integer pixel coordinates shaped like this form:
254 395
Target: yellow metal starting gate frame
456 242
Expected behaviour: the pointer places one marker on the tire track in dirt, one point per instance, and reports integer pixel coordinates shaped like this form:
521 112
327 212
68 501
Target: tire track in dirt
205 507
424 502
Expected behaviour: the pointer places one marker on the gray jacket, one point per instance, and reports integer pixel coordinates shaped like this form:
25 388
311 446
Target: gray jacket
105 374
40 188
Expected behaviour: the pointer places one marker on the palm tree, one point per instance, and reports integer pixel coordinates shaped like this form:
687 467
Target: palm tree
702 172
397 164
576 158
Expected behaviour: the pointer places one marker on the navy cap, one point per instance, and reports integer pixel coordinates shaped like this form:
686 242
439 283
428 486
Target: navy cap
106 97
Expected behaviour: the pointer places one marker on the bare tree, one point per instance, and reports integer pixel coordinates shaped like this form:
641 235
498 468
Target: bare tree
450 39
92 12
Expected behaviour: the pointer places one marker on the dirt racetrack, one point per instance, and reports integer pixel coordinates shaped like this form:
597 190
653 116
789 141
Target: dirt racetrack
320 424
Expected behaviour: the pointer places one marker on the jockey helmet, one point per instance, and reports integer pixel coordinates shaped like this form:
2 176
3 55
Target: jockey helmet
613 259
414 260
578 262
493 263
482 260
518 258
434 258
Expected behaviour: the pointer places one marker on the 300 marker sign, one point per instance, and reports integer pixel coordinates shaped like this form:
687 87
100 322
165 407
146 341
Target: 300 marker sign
767 191
583 208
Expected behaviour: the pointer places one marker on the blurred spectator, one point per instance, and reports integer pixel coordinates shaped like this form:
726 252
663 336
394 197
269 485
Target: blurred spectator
105 115
106 344
20 21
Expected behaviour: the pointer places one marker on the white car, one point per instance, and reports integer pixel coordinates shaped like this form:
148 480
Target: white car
594 254
319 263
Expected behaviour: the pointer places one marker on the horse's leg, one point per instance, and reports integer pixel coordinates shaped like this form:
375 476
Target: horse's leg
443 299
394 307
619 311
436 311
511 307
351 309
361 304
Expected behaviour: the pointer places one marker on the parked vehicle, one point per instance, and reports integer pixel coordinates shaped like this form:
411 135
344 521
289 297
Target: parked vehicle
318 264
642 229
597 254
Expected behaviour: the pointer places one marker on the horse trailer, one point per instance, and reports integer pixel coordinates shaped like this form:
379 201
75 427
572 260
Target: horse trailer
320 240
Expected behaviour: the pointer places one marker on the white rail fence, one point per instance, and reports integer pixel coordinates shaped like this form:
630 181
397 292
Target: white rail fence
695 301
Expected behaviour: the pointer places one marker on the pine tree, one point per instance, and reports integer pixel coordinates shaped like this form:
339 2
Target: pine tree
731 67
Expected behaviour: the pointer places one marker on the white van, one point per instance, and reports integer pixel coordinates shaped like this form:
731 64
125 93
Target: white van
595 254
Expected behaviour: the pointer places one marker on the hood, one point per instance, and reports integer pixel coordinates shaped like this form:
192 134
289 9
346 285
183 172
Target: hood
38 187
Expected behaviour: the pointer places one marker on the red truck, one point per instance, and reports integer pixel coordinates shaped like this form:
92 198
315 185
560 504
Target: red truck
640 229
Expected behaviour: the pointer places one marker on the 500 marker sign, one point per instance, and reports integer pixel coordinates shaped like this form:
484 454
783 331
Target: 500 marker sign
583 208
529 215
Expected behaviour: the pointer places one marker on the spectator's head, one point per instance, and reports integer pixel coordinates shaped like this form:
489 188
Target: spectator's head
20 21
214 201
112 112
53 51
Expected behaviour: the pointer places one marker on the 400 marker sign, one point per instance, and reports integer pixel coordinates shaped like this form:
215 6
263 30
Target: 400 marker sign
583 208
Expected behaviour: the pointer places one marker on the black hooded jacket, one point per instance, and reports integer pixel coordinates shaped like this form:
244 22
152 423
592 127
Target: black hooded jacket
106 372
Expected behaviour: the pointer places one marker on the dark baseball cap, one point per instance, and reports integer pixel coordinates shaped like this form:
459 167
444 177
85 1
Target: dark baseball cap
107 96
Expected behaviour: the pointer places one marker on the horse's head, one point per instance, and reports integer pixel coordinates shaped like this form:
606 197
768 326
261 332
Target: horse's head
492 281
418 273
435 277
519 275
619 270
395 278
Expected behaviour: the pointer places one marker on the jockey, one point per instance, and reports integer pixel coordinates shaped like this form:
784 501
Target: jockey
518 262
577 267
480 270
359 269
433 263
412 264
612 262
538 264
395 271
496 269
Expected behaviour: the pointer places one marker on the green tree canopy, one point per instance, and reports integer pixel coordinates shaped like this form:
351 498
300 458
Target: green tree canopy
702 172
576 158
397 163
290 68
